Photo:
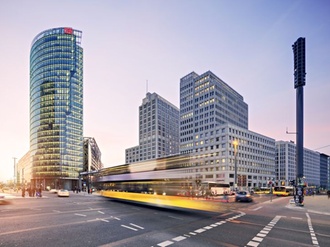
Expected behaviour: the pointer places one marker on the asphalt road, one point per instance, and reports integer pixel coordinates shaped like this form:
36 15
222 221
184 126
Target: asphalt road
90 220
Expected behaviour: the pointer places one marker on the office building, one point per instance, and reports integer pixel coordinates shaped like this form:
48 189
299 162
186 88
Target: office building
214 117
207 102
285 159
56 108
158 130
215 157
324 171
92 155
23 174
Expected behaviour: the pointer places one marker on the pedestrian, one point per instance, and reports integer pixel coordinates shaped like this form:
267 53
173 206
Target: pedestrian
225 196
328 194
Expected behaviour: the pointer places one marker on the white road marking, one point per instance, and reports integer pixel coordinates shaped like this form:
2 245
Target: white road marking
92 220
136 226
175 217
263 233
318 212
255 209
179 238
100 212
83 215
311 230
165 243
128 227
104 220
253 244
200 230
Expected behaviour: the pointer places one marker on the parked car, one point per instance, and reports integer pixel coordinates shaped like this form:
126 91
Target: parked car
243 196
63 193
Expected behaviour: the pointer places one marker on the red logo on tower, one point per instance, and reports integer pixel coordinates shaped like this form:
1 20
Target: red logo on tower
68 30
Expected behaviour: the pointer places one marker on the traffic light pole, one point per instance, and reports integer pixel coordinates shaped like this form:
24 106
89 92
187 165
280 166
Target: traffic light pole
299 82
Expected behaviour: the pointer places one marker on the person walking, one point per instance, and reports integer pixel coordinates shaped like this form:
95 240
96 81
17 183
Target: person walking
23 191
225 196
328 194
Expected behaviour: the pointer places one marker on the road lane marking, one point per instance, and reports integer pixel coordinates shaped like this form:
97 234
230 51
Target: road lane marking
255 209
46 227
82 215
317 212
165 243
207 227
263 233
100 212
136 226
173 217
104 220
199 231
311 230
220 222
179 238
128 227
92 220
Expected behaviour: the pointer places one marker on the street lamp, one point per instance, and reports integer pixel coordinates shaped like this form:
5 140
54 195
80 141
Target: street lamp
15 173
235 143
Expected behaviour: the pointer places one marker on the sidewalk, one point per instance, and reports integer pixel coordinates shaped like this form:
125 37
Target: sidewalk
18 195
317 204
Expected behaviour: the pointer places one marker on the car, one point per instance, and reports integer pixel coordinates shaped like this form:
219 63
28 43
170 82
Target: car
3 200
53 191
63 192
243 196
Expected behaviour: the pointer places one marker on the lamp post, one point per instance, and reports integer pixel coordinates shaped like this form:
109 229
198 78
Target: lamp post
14 158
235 143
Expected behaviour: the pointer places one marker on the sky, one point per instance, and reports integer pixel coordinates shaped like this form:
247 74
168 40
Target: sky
131 47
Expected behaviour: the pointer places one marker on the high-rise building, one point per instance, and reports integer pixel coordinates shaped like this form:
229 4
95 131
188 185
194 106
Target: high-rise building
285 159
205 103
158 130
56 108
214 132
324 171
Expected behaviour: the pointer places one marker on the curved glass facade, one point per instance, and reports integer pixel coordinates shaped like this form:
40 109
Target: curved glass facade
56 107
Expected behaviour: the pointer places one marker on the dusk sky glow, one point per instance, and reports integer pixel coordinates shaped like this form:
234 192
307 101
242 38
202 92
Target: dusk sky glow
127 43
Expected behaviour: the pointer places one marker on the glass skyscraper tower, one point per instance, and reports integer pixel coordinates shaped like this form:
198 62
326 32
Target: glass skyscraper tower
56 108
